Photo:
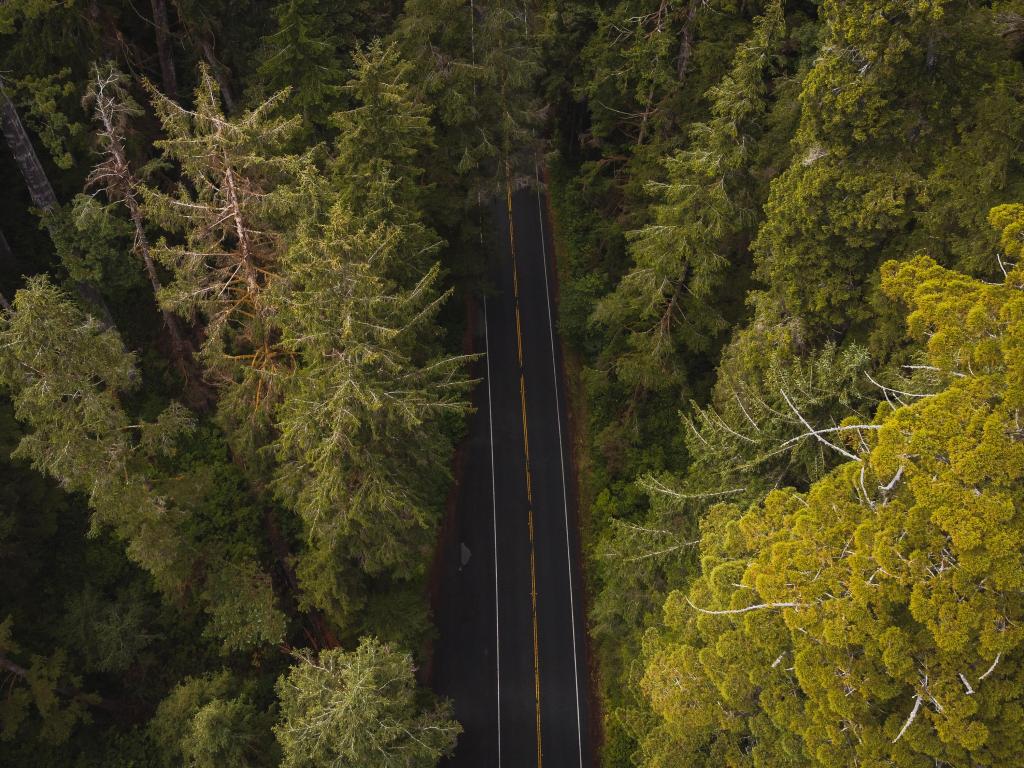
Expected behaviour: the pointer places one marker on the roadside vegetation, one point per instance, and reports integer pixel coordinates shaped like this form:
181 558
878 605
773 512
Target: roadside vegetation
237 238
789 241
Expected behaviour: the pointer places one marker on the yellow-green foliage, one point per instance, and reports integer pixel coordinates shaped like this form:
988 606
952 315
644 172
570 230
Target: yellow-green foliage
874 620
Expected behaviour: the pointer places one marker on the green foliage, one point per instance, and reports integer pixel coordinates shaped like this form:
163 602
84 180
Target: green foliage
208 722
248 232
305 54
478 66
360 459
109 635
891 118
67 374
684 254
242 607
359 709
242 194
881 602
90 243
40 99
45 687
379 154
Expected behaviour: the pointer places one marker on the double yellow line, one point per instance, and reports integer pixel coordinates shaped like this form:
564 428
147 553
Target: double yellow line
529 483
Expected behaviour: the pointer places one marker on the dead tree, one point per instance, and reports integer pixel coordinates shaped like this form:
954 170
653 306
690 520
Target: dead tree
39 188
112 107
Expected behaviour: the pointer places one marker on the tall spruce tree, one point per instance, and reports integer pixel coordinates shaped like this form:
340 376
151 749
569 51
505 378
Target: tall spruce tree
364 443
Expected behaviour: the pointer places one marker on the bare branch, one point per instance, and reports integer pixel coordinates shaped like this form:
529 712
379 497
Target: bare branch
759 606
991 669
967 685
656 486
885 388
811 431
892 483
913 716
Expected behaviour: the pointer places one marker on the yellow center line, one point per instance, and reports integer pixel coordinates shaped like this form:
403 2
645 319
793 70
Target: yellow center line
519 335
529 482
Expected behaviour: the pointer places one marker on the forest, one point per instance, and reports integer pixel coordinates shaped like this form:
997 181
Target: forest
239 240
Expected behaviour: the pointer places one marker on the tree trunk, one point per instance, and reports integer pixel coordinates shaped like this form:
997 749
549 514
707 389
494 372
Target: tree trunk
43 196
202 41
39 187
6 266
219 74
318 631
6 254
163 47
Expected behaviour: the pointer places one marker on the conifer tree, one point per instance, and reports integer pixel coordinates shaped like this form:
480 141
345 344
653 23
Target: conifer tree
363 443
664 301
212 722
67 375
871 619
233 215
876 119
305 55
383 139
478 65
359 708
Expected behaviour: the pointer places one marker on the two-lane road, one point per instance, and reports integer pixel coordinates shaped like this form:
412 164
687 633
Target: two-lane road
511 644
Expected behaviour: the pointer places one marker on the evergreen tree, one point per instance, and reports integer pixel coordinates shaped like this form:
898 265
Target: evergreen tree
870 619
383 140
363 441
234 215
67 375
681 258
886 102
305 55
359 709
207 722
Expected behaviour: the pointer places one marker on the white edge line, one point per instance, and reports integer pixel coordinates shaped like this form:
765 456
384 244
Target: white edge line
494 513
561 458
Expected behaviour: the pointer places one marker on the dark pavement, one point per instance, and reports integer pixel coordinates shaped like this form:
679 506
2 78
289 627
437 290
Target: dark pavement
510 651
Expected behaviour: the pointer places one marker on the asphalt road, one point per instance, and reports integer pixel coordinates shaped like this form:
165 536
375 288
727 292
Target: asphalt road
510 651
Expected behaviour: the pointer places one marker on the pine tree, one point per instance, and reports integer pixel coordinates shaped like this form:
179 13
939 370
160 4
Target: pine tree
383 139
67 375
305 55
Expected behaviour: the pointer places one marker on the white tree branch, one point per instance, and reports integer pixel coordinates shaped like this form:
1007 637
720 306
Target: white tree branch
759 606
913 716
